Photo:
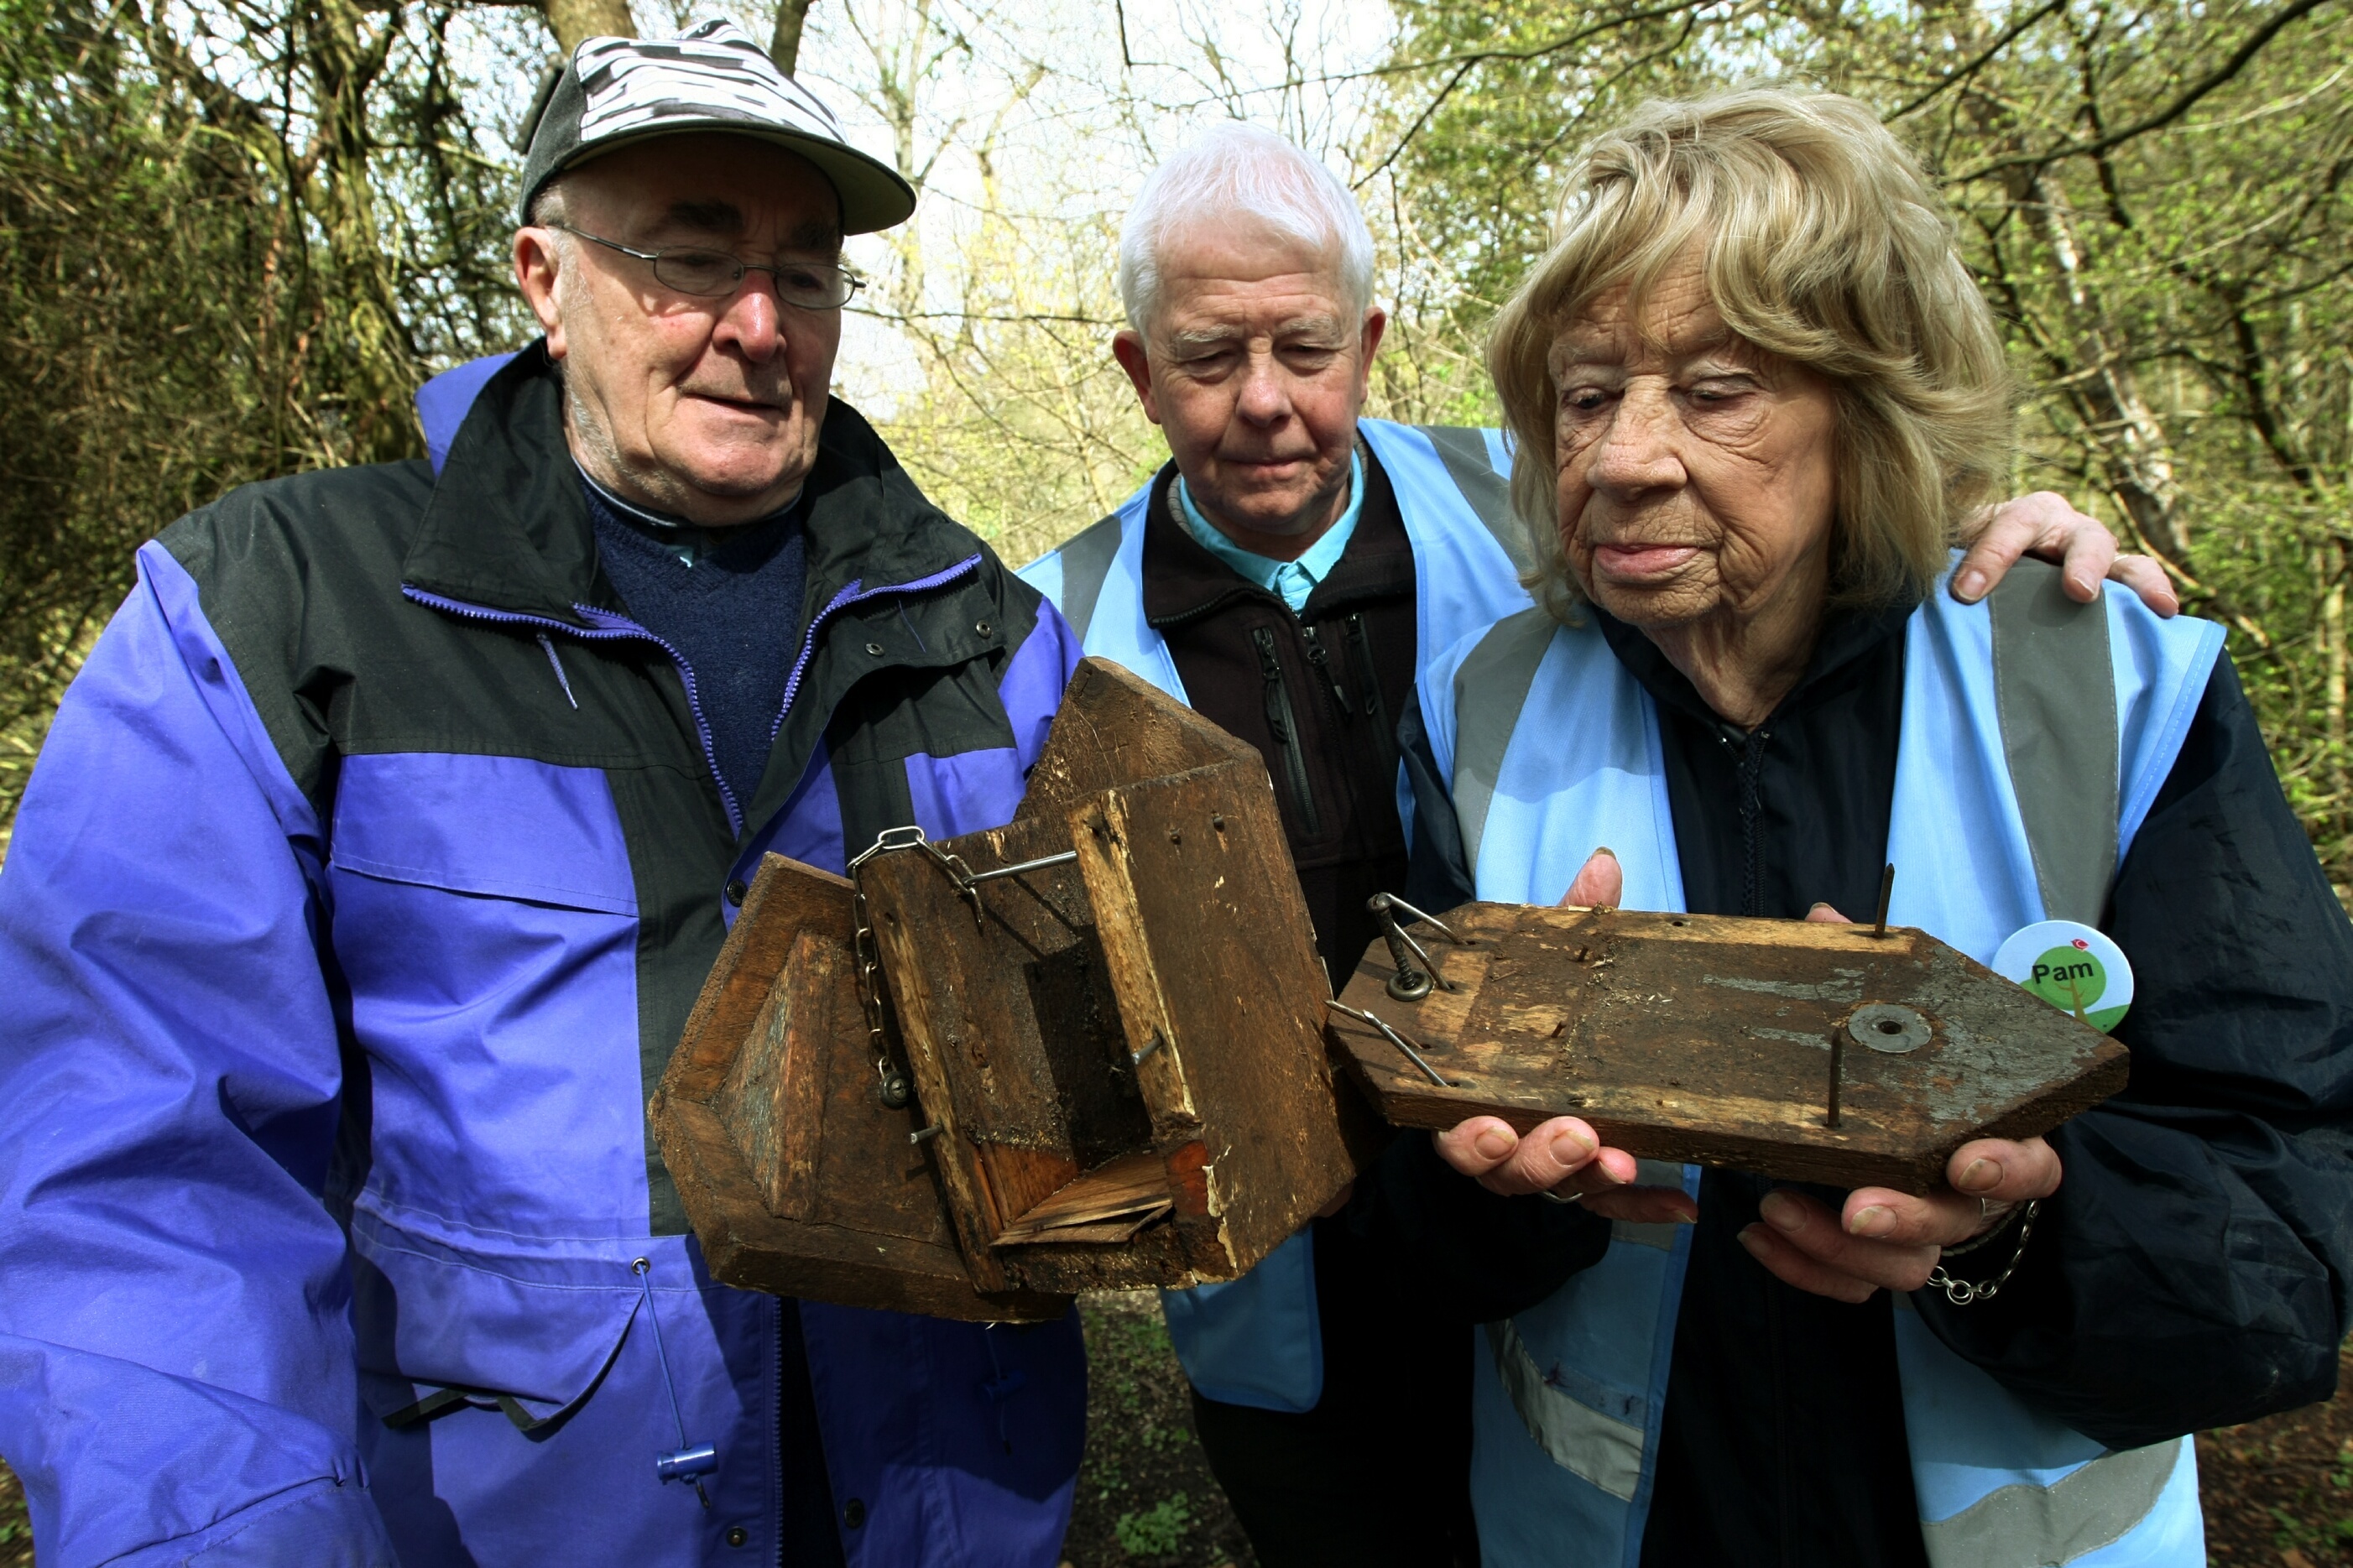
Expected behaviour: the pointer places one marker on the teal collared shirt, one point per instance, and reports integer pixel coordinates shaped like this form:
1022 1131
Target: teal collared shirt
1292 581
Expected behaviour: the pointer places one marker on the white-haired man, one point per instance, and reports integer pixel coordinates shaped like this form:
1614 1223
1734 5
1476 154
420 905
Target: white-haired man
1288 574
372 867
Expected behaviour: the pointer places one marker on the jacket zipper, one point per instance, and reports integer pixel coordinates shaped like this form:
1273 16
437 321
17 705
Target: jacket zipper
1323 663
609 627
1285 725
1360 644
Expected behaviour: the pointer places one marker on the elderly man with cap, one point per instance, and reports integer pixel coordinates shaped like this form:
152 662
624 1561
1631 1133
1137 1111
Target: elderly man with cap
372 864
1289 572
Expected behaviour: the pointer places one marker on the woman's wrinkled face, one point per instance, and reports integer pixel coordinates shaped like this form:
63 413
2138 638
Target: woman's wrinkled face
1697 473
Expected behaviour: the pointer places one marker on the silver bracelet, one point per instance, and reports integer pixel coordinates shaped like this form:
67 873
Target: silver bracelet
1961 1292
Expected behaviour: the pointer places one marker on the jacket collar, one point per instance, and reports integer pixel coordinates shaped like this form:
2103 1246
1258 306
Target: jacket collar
1183 581
508 528
1847 638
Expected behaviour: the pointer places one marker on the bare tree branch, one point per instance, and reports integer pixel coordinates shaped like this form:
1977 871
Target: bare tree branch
2182 105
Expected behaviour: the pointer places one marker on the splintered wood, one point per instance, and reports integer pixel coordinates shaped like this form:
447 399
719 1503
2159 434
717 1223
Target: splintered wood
1115 1055
796 1176
1724 1041
1123 1052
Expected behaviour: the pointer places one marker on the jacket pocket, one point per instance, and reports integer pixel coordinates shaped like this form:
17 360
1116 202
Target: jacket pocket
503 827
437 1325
482 913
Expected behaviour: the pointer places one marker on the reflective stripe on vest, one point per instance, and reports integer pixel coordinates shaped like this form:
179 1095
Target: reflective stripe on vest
1258 1341
1998 1483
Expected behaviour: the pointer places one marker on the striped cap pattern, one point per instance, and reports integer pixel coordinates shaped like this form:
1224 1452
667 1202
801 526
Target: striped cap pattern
614 93
714 72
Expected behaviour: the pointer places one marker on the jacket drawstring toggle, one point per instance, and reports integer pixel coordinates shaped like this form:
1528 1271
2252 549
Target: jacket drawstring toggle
687 1462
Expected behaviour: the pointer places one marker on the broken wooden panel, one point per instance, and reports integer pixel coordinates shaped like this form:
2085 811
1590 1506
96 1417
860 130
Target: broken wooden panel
797 1178
1716 1040
1210 950
1116 728
1122 1052
1118 1071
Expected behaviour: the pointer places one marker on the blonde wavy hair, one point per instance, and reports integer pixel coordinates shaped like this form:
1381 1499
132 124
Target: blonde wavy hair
1822 243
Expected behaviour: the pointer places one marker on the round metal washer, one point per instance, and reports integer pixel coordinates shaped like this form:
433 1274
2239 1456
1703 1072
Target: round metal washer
1888 1026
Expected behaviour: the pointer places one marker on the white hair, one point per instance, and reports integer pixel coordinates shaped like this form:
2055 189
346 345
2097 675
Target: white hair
1239 168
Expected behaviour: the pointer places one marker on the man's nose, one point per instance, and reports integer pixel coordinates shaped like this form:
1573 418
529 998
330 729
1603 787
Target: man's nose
1265 393
1638 451
753 319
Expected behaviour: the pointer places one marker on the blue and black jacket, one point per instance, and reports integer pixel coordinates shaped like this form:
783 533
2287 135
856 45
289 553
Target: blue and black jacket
356 902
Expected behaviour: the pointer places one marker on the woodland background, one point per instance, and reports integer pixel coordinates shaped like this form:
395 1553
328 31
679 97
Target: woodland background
236 234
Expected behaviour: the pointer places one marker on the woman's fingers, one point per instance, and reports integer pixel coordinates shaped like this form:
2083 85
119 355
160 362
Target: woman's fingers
1881 1214
1600 880
1785 1263
2005 1172
1804 1225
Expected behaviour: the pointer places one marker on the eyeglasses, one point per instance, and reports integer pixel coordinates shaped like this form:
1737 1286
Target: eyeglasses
707 274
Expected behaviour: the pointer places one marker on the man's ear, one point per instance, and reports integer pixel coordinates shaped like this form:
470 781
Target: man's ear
1128 347
536 264
1377 322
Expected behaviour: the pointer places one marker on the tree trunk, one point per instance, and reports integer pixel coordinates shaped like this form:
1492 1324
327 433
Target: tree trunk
785 43
2131 440
575 20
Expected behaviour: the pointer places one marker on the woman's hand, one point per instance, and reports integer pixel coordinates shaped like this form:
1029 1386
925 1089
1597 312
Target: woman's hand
1882 1238
1564 1158
1885 1239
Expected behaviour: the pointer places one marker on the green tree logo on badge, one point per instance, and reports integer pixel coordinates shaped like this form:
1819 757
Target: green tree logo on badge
2070 978
2074 968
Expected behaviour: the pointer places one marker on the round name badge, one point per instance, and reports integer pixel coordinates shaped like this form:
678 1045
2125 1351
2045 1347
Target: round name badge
2073 967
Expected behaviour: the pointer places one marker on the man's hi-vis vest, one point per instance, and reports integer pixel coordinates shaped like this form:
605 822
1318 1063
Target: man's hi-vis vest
1258 1341
2036 733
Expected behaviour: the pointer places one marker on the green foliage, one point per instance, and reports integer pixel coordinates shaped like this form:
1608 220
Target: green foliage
230 243
2153 195
1158 1531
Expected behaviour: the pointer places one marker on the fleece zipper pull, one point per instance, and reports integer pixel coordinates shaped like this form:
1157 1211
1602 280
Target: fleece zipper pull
1284 724
1323 666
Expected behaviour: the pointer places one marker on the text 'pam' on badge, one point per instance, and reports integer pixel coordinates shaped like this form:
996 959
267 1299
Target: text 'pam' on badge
2073 967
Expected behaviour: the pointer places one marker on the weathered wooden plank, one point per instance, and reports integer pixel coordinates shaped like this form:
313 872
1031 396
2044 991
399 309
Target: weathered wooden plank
797 1178
1709 1040
1212 955
1115 728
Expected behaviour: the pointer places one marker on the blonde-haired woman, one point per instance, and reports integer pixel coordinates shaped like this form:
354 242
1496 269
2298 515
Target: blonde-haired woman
1753 390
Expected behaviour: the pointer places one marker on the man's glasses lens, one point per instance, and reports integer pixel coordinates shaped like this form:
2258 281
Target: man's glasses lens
812 286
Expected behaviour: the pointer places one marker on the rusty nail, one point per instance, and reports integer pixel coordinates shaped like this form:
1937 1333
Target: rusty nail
1838 1064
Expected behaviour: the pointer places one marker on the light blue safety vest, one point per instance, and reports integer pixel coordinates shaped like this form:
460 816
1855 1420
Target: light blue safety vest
1257 1341
1550 749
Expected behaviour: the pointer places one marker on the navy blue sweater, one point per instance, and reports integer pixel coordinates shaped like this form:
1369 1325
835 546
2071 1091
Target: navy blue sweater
728 603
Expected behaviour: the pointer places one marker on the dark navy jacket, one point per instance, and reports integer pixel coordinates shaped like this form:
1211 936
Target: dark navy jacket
359 896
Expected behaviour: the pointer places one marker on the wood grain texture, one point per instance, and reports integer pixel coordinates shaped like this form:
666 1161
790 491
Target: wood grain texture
1707 1039
796 1179
1115 728
1210 950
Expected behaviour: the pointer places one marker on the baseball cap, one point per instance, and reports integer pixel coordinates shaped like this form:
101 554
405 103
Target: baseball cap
615 92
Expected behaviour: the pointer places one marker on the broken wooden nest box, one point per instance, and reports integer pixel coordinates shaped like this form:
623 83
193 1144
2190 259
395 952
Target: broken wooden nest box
1802 1050
1109 1013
